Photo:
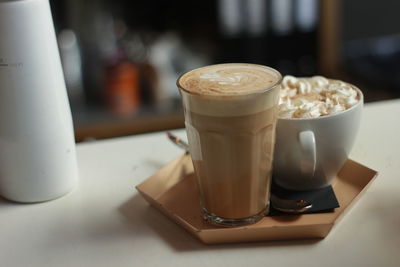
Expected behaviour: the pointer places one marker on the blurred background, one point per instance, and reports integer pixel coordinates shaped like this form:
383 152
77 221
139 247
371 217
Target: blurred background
121 58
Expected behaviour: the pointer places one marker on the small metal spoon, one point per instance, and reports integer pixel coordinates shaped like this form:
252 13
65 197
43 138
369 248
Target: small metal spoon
177 141
289 206
280 204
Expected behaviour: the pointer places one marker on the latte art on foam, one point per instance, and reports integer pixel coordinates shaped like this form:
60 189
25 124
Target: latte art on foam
314 97
229 79
234 79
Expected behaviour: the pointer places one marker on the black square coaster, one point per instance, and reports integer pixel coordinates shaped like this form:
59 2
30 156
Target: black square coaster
323 199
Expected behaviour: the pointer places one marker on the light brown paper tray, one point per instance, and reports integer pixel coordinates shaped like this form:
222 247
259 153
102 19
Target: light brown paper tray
173 191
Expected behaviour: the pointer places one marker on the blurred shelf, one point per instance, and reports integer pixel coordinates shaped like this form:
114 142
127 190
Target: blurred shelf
181 48
99 123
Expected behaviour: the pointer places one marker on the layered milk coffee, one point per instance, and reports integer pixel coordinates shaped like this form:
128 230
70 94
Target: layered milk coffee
230 117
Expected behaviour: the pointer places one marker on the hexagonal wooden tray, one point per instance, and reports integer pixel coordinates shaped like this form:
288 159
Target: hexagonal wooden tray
173 191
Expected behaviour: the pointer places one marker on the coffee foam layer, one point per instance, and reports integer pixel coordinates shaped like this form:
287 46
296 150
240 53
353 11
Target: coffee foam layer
231 106
230 89
229 79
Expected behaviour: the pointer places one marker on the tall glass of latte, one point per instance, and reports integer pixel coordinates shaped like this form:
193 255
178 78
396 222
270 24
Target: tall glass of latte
230 117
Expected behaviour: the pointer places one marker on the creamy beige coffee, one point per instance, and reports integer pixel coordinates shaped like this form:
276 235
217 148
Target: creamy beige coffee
228 79
230 117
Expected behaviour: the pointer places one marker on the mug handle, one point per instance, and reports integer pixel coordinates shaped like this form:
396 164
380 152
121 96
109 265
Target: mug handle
308 153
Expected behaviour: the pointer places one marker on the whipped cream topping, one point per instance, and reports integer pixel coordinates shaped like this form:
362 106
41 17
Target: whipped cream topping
314 97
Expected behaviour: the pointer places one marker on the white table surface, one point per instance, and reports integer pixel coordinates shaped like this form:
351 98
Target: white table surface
105 222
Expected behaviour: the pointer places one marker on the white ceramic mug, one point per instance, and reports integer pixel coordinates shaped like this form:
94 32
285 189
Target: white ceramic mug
37 148
309 152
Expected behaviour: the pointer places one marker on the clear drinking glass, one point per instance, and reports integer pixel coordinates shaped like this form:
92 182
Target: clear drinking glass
231 139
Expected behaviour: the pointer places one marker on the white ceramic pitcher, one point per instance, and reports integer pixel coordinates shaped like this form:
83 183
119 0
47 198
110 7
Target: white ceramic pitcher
37 148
